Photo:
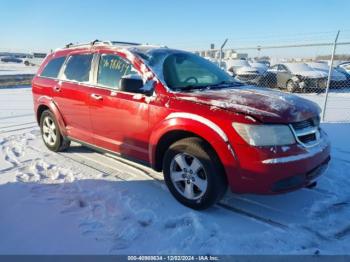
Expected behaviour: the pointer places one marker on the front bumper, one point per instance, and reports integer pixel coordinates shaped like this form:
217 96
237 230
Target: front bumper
277 169
313 83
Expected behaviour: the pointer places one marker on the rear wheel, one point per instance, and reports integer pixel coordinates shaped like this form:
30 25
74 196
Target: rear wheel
51 134
194 174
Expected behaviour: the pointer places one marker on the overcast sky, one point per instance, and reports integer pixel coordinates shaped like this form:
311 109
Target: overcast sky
39 25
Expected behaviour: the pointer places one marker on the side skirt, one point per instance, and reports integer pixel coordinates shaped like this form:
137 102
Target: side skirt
106 151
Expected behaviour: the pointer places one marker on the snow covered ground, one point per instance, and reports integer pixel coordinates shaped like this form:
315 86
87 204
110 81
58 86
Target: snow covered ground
84 202
16 74
16 69
338 104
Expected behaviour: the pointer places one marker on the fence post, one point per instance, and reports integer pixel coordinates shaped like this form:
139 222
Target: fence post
222 46
329 77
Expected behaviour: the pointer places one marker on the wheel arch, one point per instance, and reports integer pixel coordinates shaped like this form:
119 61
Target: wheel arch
172 130
45 103
40 110
165 141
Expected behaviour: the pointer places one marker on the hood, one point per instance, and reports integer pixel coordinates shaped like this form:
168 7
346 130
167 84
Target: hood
311 74
246 70
263 104
336 75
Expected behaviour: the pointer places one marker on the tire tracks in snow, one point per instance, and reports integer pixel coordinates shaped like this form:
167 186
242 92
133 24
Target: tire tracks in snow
228 207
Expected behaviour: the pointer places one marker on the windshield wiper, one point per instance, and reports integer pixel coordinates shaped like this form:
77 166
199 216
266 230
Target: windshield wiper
213 86
189 88
225 84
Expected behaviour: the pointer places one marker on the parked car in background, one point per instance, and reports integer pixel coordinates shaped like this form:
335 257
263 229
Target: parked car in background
264 62
296 77
260 66
345 66
243 71
10 59
339 78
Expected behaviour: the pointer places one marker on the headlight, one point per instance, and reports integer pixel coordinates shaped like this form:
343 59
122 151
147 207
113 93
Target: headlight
265 135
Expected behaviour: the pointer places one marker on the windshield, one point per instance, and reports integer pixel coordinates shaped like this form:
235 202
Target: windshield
258 65
239 63
299 67
185 71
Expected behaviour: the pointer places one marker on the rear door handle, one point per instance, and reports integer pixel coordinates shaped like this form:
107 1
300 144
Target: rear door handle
96 97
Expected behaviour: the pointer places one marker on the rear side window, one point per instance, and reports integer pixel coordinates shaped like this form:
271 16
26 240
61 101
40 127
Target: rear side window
78 68
53 67
111 69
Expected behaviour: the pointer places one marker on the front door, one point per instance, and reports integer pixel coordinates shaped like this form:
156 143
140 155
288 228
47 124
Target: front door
119 119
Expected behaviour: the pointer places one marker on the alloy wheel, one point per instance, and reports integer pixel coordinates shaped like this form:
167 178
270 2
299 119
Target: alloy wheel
49 131
188 176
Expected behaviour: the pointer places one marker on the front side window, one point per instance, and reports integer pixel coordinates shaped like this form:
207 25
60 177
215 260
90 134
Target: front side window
53 68
78 68
185 70
111 69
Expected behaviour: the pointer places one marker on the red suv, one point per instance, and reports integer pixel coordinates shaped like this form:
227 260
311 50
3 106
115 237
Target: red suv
180 114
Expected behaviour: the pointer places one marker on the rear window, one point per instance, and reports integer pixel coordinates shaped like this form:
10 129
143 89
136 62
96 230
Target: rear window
53 67
78 68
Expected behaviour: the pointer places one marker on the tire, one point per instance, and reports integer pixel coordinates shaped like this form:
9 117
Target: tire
291 87
200 177
49 128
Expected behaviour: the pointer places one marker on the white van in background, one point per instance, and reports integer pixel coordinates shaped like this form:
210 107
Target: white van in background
34 59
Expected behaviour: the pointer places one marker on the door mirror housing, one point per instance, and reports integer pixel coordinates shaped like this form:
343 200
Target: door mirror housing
131 83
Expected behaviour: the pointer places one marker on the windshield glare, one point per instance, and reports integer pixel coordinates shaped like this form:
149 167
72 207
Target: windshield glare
184 70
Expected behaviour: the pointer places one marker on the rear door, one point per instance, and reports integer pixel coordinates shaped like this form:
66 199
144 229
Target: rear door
71 94
48 77
119 119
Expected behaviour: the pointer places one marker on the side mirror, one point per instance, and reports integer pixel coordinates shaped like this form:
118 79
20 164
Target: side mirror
131 83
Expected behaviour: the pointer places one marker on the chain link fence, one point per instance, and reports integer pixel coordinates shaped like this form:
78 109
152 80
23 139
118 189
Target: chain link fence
310 70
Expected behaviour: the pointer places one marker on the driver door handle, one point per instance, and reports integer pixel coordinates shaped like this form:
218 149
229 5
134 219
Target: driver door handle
57 88
96 97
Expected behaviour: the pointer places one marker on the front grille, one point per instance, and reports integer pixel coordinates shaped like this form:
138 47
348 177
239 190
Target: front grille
307 132
247 77
307 138
311 122
316 82
302 124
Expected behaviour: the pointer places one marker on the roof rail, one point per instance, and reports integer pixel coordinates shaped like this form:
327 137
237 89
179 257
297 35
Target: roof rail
95 42
70 45
124 43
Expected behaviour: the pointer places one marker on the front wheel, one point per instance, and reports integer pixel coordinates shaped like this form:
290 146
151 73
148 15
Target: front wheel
291 86
194 174
51 134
